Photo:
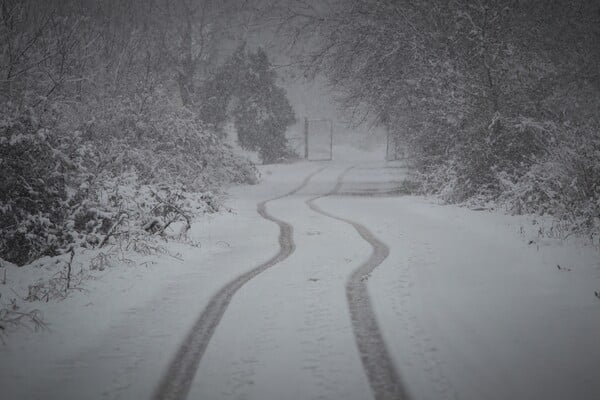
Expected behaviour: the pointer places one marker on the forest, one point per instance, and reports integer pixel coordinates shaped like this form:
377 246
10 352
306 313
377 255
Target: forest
112 117
495 103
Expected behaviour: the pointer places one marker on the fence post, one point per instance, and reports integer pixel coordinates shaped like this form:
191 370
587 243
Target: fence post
387 146
331 141
305 138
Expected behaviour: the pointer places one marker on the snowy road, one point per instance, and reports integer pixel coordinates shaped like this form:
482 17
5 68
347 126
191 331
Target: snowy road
463 307
456 305
382 375
301 343
176 383
380 369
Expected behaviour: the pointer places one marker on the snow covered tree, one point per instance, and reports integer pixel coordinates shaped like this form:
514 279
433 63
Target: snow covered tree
89 97
245 87
481 93
263 112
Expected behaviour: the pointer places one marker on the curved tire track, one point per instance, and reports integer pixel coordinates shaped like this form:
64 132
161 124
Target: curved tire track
176 382
380 370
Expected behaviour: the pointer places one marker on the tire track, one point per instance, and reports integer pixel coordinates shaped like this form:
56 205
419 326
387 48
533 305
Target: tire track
381 372
176 382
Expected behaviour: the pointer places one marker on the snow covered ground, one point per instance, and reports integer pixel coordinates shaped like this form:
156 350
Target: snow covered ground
471 311
467 307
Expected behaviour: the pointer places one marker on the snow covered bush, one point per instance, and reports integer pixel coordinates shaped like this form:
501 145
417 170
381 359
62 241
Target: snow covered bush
489 155
163 142
565 184
62 169
36 190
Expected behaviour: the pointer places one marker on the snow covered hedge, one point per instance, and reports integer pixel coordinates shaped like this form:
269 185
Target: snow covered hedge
34 196
537 169
98 135
69 175
564 183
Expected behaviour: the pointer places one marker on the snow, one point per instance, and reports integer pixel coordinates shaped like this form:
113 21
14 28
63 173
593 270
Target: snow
468 308
471 311
301 345
115 339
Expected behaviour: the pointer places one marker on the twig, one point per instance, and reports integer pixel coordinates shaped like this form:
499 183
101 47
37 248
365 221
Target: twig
175 208
112 229
17 317
164 228
176 256
69 269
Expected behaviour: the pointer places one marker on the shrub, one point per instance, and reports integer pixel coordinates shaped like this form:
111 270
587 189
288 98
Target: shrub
34 189
61 176
565 184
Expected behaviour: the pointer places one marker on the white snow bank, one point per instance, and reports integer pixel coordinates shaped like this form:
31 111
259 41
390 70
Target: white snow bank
470 310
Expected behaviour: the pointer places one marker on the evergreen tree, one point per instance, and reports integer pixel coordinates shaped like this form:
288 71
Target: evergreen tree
246 89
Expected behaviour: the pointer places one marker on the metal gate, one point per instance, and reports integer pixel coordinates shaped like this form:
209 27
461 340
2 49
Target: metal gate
318 139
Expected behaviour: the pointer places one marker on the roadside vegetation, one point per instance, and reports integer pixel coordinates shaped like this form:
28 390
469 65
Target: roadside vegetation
495 103
111 129
111 118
